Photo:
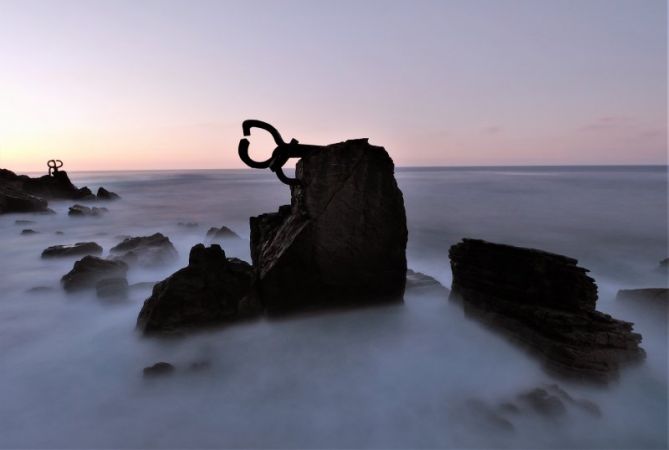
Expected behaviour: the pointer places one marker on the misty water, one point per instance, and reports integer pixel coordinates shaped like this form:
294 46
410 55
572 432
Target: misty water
395 376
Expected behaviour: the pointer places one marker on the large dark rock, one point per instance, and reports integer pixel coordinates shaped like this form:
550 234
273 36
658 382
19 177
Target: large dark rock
146 251
211 290
89 270
57 186
343 239
78 249
14 200
546 302
104 194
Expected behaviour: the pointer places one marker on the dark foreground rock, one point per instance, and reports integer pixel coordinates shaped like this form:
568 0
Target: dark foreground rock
91 269
85 211
104 194
13 200
146 251
211 290
158 369
547 303
78 249
221 233
342 241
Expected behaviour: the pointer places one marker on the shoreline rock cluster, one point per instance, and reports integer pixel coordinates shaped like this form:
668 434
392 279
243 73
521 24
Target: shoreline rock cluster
546 303
22 194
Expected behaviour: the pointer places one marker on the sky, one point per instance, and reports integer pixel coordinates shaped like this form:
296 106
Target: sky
141 85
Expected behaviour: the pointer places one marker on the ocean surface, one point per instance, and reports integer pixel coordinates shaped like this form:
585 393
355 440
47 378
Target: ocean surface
390 377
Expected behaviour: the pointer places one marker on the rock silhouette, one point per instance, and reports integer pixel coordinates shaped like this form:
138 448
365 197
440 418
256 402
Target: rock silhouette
13 200
221 233
211 290
341 241
104 194
89 270
78 249
146 251
85 211
547 303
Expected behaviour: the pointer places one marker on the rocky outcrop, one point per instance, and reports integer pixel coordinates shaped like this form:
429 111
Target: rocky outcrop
145 251
341 241
89 270
211 290
221 233
13 200
104 194
85 211
546 302
78 249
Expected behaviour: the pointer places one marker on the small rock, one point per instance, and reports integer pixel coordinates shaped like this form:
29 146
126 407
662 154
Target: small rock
59 233
78 249
91 269
222 233
146 251
28 231
84 211
104 194
158 369
112 288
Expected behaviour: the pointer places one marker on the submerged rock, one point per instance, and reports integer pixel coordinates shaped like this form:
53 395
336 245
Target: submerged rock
78 249
221 233
112 288
545 302
104 194
146 251
23 222
211 290
91 269
158 369
28 231
85 211
343 239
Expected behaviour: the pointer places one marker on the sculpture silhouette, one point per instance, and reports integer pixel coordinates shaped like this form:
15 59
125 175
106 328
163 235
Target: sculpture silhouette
281 154
54 165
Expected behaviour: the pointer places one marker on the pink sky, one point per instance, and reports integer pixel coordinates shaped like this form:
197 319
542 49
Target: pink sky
166 85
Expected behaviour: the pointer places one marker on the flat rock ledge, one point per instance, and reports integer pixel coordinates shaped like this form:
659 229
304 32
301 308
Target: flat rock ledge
545 302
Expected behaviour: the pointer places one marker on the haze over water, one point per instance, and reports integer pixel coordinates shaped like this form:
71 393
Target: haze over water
397 376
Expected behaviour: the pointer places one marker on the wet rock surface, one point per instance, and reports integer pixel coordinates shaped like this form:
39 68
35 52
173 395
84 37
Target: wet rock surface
89 270
221 233
78 249
85 211
544 302
211 290
341 241
159 369
145 251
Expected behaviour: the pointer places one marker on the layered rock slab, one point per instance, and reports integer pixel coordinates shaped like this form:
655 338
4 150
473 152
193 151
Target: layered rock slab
546 302
211 290
342 240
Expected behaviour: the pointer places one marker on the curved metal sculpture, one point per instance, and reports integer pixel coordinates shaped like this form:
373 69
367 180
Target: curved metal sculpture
281 154
54 165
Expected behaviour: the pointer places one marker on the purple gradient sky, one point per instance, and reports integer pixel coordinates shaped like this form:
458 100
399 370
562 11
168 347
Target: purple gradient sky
166 84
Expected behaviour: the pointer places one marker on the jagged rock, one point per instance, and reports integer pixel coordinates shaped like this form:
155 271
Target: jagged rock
91 269
146 251
211 290
104 194
13 200
116 288
222 233
78 249
545 302
28 231
343 239
158 369
84 211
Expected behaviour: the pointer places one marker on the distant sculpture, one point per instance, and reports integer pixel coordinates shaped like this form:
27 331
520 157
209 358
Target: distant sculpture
54 165
281 154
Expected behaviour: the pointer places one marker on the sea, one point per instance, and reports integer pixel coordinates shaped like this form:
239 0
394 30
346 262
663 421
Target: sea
399 376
